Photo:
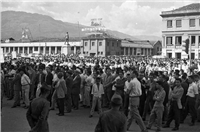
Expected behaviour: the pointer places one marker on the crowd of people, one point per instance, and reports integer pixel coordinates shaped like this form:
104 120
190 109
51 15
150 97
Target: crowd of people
131 88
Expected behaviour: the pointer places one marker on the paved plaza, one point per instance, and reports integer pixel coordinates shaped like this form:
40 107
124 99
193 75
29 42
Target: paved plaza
14 120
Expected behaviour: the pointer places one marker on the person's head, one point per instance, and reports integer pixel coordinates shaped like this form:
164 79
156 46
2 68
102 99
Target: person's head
134 74
98 79
48 69
184 77
128 76
121 74
116 101
191 79
196 78
159 85
108 71
178 82
60 75
152 76
21 71
88 72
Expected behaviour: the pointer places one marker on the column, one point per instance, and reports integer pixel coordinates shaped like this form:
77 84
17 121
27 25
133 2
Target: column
163 41
128 50
23 50
8 49
56 50
196 40
28 50
147 51
75 50
44 50
18 50
49 49
174 41
124 50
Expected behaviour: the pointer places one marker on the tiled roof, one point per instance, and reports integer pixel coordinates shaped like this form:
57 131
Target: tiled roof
194 6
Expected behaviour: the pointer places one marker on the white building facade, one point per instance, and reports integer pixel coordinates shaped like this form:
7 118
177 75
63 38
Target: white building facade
177 26
40 47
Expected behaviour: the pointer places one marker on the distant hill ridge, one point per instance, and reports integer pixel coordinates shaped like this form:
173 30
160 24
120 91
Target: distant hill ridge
45 28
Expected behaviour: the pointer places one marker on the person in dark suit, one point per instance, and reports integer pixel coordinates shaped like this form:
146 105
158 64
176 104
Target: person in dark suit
17 89
76 89
49 81
69 82
38 111
113 119
40 79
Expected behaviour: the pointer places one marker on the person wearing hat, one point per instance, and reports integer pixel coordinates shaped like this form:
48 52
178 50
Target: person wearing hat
158 108
112 120
97 92
38 111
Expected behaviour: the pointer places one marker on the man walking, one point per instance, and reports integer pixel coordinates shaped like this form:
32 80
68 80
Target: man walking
135 92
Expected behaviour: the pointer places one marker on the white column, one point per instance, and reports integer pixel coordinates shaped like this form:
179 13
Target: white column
23 50
44 50
49 49
17 49
75 49
28 50
8 49
174 41
56 50
128 50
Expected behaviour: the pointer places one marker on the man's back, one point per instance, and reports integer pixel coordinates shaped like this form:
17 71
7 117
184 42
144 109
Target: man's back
111 121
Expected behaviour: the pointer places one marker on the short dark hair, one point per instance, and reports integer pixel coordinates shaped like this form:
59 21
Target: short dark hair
136 73
60 75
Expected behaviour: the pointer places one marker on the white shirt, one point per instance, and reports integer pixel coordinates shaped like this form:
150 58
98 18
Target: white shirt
135 88
25 80
192 90
127 85
97 92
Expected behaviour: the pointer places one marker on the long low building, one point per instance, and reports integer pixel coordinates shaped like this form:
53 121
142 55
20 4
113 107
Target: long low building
40 47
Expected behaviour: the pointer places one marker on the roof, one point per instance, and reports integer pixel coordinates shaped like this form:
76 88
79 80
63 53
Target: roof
102 35
136 43
185 10
154 42
194 6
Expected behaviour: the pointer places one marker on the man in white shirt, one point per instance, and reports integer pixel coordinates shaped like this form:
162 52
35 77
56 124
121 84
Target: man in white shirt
126 98
191 100
25 81
135 92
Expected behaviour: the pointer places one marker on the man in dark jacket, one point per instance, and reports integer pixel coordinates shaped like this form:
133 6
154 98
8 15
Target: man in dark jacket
17 89
76 89
69 82
38 111
112 120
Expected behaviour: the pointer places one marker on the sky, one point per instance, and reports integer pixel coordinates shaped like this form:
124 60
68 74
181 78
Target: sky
133 17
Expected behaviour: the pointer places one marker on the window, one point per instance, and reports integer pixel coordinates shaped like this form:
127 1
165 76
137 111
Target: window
192 40
100 43
113 44
178 23
169 40
102 53
85 43
108 44
93 43
35 48
157 48
192 22
169 23
178 40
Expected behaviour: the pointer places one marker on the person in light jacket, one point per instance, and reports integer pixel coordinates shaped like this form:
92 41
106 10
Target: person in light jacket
61 91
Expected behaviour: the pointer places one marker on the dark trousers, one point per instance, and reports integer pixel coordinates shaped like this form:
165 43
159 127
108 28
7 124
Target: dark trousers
174 114
68 100
107 97
126 104
75 99
16 98
61 105
11 89
32 91
190 108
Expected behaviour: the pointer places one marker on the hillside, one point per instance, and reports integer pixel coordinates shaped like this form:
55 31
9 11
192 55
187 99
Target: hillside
42 27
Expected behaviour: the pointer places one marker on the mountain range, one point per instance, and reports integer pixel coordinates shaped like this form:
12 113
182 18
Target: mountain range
43 27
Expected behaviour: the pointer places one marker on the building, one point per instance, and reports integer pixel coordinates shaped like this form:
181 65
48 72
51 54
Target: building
179 25
157 47
136 47
40 47
101 44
